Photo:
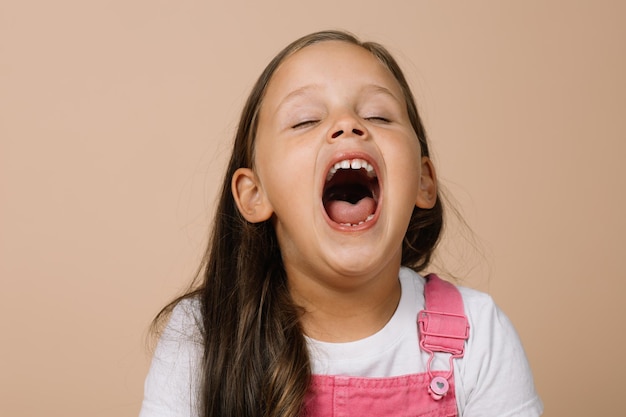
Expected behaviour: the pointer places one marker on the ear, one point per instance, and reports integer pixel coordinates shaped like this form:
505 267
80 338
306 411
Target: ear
249 196
427 193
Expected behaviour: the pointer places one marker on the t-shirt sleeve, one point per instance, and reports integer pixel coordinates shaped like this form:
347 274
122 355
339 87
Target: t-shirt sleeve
171 384
495 377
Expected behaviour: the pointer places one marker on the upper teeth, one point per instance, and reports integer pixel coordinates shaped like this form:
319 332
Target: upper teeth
351 164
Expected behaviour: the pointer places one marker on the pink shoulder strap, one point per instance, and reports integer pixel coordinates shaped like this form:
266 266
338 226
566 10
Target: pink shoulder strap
443 327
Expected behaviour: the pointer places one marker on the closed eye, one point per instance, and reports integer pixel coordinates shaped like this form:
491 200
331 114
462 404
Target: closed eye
304 123
378 119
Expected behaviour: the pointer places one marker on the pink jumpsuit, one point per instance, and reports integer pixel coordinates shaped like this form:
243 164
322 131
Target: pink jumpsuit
443 327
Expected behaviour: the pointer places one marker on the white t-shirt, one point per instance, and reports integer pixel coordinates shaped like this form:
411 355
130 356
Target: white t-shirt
492 379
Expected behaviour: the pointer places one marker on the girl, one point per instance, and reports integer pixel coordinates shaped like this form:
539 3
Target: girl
311 302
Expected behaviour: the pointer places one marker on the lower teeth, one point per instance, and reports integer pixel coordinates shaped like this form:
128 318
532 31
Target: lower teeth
370 217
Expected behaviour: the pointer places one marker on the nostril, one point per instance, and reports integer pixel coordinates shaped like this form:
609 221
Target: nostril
337 134
357 132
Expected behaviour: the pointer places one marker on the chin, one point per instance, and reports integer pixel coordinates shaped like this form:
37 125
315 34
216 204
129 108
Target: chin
362 262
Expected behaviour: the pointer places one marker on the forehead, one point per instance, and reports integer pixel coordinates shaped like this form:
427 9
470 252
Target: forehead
330 64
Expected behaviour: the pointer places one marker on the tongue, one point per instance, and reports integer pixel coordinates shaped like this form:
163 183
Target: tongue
345 212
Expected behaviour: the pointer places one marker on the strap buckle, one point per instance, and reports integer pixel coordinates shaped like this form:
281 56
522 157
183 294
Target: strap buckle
443 332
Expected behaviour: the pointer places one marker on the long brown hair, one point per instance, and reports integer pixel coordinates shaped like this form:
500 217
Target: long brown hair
255 360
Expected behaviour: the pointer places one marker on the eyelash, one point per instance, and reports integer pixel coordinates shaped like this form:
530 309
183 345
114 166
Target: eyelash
378 119
306 123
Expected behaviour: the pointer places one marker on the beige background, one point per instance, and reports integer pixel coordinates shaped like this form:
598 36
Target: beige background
115 122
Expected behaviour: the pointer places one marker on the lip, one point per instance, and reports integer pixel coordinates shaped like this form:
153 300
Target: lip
352 155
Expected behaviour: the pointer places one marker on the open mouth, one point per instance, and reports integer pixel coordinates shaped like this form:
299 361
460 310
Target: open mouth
351 192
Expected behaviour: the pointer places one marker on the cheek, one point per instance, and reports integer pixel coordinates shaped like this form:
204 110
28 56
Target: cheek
404 157
286 178
404 168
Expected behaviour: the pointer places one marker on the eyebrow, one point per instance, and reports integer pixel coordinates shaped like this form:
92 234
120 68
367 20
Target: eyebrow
301 91
379 89
366 89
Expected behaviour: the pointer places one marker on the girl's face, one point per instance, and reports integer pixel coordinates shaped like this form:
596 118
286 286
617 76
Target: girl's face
338 166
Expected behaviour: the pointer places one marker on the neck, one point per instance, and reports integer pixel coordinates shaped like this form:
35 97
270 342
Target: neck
346 313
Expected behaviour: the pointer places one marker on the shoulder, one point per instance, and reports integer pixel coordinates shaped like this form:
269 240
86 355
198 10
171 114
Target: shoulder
170 386
184 322
476 303
480 308
494 376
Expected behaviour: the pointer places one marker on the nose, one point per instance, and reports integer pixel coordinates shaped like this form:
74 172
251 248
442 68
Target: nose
348 126
356 131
